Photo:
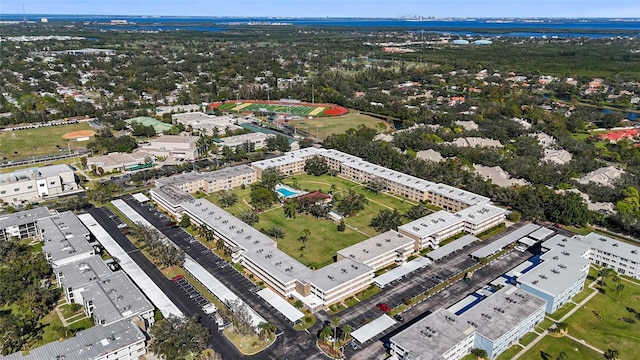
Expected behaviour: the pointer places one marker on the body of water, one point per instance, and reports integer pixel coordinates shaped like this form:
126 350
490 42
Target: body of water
480 27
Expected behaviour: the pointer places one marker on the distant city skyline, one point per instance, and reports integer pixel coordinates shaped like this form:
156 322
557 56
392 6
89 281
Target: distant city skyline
332 8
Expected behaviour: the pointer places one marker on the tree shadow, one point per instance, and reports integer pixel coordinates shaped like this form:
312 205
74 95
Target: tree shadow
545 356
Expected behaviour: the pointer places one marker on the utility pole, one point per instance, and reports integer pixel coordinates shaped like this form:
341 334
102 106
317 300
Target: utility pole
313 98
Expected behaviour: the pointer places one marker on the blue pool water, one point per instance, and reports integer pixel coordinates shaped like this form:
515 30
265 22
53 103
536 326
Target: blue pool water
286 193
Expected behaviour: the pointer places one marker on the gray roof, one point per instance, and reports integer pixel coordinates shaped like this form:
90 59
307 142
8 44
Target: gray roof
338 273
244 138
278 161
23 217
451 247
479 213
373 247
516 304
612 246
505 241
116 298
88 344
562 265
172 194
34 173
541 234
84 271
440 331
208 176
64 236
431 224
278 264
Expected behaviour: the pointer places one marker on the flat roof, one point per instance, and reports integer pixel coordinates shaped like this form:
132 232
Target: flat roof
34 173
171 194
492 317
451 247
504 241
477 214
376 246
141 279
541 234
607 244
92 343
431 224
208 176
140 197
218 289
283 306
23 217
115 298
117 158
89 269
241 139
373 328
64 236
400 271
338 273
278 161
175 139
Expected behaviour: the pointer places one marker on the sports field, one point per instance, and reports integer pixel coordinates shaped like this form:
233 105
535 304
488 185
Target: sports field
39 141
323 127
302 109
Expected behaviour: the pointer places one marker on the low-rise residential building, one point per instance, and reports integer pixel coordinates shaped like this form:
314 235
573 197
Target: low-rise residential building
476 142
494 324
432 229
430 155
481 217
605 176
119 161
608 252
212 181
340 280
388 248
174 146
253 141
560 275
35 184
498 176
22 224
73 276
119 341
65 239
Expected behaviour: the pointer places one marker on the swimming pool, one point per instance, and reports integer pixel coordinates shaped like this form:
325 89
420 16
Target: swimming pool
288 192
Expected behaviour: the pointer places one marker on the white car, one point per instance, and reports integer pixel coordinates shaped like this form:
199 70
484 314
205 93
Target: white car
209 308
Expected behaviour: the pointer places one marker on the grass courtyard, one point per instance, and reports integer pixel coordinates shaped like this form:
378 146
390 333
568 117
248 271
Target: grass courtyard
550 347
325 240
325 126
39 141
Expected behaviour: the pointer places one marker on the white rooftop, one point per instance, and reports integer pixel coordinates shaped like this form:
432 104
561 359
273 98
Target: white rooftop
376 246
400 271
373 328
431 224
506 240
477 214
280 304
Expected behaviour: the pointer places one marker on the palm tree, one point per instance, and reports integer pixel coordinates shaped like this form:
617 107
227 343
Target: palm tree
325 333
346 332
266 330
604 273
335 323
611 354
479 353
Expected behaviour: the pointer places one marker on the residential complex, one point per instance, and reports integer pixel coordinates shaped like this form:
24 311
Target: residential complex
35 184
22 224
253 141
213 181
494 324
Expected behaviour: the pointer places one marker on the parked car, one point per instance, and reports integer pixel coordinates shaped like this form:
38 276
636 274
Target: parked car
384 307
399 318
353 346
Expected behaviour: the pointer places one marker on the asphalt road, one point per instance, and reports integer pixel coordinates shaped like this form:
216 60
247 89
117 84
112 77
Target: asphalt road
176 294
290 344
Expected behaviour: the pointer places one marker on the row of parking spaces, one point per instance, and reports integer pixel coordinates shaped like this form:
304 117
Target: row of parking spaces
199 299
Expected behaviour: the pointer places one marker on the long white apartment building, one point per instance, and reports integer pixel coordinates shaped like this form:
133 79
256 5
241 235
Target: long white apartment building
380 251
35 184
211 181
560 275
481 217
407 186
22 224
608 252
494 324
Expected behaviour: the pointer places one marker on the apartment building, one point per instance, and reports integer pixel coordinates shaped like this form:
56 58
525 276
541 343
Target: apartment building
22 224
65 239
494 324
35 184
432 229
608 252
481 217
119 341
380 251
340 280
560 275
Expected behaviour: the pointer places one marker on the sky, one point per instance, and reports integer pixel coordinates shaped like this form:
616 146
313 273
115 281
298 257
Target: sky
331 8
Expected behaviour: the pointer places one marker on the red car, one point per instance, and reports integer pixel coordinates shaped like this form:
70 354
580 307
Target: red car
384 307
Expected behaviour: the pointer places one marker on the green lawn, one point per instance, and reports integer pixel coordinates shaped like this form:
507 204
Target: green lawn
564 309
544 325
550 347
528 338
325 240
582 295
510 352
40 141
607 329
325 126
